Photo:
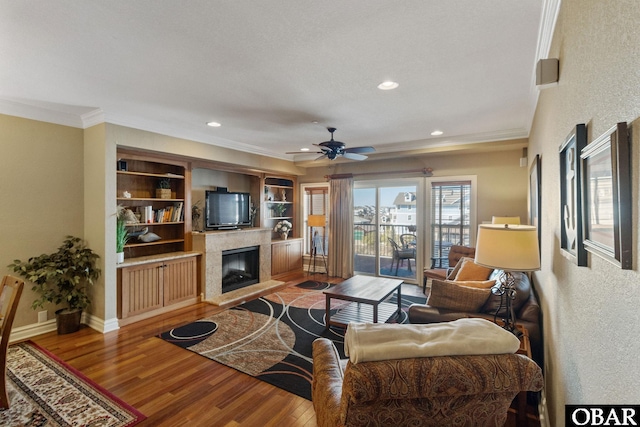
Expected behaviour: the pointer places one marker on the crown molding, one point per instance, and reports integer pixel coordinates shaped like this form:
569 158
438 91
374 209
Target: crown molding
42 114
550 12
452 141
92 118
192 135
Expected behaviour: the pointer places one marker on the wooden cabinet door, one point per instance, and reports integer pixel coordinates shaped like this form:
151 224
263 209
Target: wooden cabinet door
295 255
180 281
279 258
141 288
286 255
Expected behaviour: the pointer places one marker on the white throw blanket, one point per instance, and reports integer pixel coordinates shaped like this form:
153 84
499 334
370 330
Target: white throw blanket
365 342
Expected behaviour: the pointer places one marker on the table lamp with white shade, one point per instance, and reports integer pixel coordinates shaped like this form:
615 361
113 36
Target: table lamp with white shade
509 248
505 220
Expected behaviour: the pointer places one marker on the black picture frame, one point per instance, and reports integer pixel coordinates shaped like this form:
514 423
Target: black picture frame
534 195
571 229
606 192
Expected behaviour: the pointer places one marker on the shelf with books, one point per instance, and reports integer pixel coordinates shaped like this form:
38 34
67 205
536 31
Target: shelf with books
156 191
278 203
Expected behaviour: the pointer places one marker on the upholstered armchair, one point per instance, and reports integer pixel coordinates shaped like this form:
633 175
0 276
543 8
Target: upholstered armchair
438 271
428 391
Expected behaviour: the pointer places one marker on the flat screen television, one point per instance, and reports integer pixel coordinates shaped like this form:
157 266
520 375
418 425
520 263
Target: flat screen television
225 210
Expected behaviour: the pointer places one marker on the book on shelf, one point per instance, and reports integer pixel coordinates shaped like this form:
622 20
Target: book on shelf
170 213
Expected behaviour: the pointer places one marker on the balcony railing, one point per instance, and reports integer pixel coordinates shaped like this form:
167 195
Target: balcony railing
443 237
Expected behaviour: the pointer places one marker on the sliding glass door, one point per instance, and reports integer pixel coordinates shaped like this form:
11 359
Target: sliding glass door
385 230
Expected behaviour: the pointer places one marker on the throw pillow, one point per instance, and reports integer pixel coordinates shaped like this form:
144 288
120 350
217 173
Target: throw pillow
472 271
451 296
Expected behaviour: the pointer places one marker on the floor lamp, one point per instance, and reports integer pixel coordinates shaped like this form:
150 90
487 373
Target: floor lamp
509 248
317 241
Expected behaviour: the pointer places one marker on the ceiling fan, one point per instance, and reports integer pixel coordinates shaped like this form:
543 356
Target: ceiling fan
332 149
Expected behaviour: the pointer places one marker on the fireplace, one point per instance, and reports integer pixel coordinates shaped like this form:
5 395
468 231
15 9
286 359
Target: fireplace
212 243
240 268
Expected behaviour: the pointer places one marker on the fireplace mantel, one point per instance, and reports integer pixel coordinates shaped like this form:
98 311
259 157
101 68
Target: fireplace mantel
212 243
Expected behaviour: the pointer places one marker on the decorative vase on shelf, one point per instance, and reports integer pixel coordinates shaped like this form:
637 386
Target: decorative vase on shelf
284 236
163 193
119 257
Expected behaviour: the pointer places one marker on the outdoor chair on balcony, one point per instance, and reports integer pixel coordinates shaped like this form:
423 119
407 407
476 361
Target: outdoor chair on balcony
408 241
400 254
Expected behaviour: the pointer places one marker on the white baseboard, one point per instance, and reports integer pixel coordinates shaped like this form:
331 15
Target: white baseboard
99 324
29 331
25 332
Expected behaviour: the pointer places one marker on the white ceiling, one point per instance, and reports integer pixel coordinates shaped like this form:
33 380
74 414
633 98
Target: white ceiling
267 70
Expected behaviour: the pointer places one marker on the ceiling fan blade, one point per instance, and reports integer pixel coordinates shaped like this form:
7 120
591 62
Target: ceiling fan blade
360 150
353 156
320 157
324 153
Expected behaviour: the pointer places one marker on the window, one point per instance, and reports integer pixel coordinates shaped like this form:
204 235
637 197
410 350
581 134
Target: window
451 218
315 202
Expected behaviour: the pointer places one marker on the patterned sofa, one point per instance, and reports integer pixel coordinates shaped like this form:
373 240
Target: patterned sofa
429 391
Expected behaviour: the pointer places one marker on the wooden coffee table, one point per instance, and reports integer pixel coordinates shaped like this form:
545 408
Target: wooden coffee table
368 294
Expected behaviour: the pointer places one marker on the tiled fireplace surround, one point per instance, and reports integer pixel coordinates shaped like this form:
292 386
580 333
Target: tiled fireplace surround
213 243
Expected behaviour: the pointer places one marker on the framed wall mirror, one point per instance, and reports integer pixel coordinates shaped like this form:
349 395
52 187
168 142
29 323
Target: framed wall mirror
606 182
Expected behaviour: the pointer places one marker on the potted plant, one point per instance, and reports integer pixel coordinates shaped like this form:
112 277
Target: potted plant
122 237
283 228
279 209
62 278
164 188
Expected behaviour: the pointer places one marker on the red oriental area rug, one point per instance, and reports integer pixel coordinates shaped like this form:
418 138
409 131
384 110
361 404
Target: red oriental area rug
45 391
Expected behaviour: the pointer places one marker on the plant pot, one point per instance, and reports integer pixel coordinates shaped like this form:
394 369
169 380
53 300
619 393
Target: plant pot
67 321
284 236
163 193
119 257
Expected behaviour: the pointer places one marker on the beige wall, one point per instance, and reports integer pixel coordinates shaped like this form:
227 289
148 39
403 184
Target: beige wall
42 196
502 183
591 314
99 213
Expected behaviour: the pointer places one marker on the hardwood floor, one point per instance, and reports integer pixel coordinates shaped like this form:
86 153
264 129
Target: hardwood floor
174 387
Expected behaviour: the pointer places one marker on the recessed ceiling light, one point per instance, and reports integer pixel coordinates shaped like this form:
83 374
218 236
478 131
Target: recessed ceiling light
388 85
436 133
214 124
304 149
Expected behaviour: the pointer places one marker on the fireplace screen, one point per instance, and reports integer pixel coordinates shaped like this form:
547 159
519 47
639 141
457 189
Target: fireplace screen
240 268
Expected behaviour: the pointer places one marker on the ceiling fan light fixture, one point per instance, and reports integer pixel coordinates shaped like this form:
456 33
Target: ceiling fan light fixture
214 124
388 85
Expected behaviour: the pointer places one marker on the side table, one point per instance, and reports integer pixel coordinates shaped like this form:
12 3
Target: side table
521 399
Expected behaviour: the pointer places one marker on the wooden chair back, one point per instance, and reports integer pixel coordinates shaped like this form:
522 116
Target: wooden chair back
10 291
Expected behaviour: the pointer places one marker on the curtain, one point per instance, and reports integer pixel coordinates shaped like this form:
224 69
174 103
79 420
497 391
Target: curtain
341 228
